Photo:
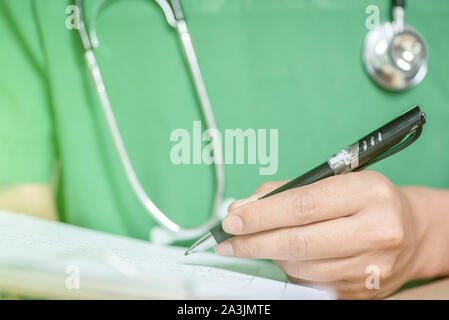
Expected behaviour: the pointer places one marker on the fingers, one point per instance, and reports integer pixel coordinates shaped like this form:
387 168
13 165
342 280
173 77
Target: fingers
325 270
331 239
346 277
259 192
347 289
342 288
330 198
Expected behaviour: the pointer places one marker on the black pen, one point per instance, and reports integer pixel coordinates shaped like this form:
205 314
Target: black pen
379 144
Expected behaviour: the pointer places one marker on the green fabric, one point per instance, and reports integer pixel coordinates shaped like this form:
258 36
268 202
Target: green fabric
292 65
26 143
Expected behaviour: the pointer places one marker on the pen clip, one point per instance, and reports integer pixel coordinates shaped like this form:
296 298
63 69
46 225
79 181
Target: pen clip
404 143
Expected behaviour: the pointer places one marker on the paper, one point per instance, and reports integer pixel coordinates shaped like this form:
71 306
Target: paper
45 259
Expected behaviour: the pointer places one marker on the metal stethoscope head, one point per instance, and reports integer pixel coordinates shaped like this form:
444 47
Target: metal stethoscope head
167 231
395 54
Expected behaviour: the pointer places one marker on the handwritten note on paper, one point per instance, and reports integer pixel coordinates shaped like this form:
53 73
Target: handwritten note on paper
47 259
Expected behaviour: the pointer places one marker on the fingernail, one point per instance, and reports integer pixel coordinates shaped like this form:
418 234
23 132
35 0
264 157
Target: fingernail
224 249
232 224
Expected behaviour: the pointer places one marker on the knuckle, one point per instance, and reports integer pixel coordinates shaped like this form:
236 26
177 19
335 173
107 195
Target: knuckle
243 248
259 221
298 244
374 175
385 238
303 205
383 188
393 237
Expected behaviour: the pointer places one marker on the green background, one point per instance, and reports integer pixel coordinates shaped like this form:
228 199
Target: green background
291 65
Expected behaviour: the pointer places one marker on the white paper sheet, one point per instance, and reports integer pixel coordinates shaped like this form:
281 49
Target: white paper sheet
44 259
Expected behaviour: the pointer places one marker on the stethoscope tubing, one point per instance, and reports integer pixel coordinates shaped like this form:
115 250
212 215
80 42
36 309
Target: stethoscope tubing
90 42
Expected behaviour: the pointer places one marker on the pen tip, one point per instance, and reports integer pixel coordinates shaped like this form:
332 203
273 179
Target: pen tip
187 252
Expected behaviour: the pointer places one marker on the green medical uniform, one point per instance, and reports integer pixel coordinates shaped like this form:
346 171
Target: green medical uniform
291 65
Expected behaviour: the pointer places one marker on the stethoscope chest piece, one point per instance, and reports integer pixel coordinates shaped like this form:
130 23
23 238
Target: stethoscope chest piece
395 54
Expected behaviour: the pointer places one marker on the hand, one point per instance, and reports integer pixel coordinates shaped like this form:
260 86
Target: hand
336 232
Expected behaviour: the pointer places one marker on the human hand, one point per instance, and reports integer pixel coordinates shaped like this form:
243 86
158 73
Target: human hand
328 233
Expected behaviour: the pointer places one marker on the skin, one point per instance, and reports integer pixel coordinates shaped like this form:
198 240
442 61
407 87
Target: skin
328 233
33 199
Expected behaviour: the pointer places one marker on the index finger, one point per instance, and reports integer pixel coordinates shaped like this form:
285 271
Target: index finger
330 198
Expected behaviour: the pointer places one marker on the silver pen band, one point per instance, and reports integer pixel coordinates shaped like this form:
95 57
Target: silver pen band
346 160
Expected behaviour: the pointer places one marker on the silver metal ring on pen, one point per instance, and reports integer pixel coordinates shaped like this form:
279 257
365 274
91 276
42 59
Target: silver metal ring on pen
346 160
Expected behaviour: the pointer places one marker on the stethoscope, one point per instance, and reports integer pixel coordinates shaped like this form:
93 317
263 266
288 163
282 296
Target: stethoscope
395 54
396 37
168 231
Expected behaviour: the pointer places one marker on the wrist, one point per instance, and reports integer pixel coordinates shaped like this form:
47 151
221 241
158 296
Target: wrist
429 212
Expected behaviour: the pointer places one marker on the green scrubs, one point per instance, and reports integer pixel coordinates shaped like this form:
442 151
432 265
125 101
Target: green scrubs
291 65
